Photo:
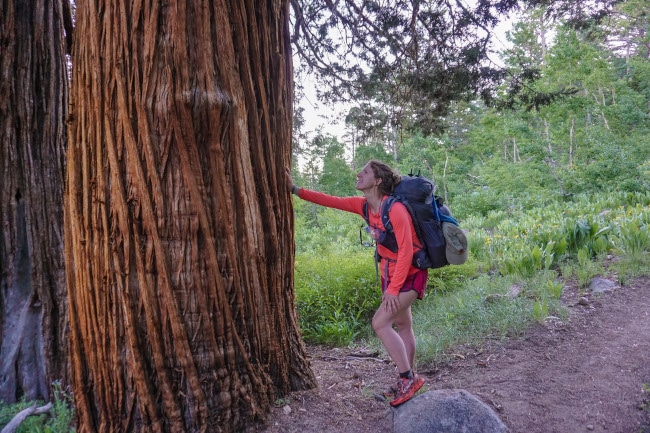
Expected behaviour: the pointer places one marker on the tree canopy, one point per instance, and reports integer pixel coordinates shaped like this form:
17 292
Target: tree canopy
414 58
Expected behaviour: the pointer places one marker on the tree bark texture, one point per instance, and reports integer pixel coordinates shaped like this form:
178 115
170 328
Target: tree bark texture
33 107
178 223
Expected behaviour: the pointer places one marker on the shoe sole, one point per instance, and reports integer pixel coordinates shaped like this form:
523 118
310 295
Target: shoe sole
407 397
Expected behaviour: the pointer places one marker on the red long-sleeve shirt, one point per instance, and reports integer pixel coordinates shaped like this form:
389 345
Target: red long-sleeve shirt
395 267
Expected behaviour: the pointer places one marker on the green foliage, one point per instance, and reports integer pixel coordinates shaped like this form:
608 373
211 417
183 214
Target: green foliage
325 168
282 402
450 278
365 153
632 241
540 310
60 421
646 402
320 229
528 261
337 177
477 309
337 294
587 268
587 237
478 202
561 190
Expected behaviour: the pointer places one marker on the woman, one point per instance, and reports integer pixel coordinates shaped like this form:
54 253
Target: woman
401 282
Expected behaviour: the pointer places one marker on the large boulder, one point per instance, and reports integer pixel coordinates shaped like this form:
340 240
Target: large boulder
446 411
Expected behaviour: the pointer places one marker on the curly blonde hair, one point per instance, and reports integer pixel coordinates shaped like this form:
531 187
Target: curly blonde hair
389 176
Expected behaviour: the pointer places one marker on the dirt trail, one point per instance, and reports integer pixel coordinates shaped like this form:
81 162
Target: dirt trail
585 374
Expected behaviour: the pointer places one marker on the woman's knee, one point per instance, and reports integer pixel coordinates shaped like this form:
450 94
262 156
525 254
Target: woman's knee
381 322
377 324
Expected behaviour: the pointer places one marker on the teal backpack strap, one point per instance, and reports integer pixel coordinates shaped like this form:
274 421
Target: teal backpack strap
448 219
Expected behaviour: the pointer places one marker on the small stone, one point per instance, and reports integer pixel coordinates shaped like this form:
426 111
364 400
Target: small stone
600 285
590 427
514 291
286 410
583 301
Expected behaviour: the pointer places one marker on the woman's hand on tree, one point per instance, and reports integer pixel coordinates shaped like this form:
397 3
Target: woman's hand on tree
289 179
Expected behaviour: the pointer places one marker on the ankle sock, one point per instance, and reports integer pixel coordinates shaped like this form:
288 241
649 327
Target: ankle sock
406 375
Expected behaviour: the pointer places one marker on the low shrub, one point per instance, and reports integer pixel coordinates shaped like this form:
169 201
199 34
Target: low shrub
337 290
336 295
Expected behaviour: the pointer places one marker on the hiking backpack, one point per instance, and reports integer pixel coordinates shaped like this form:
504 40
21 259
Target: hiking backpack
428 213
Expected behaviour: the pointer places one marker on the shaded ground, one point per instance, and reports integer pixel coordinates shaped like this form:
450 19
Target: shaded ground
585 374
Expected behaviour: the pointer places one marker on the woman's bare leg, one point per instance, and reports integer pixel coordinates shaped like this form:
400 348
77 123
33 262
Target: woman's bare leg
404 325
400 347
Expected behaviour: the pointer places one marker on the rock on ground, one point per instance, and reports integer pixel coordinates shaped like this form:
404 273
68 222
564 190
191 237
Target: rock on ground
446 411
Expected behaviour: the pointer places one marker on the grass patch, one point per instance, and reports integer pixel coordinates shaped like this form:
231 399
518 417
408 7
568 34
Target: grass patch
60 419
480 309
536 249
336 295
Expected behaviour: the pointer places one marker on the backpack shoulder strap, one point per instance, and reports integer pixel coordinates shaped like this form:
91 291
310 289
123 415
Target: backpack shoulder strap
365 212
385 208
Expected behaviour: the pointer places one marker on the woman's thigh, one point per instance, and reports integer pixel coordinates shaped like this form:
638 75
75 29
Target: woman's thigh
384 317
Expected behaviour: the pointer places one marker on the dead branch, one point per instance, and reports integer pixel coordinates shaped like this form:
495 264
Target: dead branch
22 416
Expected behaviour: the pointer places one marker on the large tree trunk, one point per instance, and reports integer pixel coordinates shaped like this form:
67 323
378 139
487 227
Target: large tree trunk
33 106
178 224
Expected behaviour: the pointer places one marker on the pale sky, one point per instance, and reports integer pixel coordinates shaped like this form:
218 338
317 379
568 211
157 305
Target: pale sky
331 118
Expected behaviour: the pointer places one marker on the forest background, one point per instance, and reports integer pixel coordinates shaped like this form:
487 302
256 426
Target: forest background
545 191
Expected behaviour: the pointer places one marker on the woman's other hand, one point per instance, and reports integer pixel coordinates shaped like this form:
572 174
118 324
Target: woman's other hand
391 302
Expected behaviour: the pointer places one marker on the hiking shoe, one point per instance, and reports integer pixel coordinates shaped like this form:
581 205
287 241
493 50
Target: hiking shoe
407 389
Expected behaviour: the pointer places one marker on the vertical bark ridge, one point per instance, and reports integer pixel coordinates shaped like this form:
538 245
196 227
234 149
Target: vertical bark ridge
84 337
190 150
246 161
180 350
186 315
33 107
264 67
151 307
136 174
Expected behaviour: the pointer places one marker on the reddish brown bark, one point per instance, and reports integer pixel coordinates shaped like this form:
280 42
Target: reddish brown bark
33 105
178 225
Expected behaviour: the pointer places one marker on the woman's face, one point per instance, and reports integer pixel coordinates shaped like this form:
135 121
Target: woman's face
366 179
